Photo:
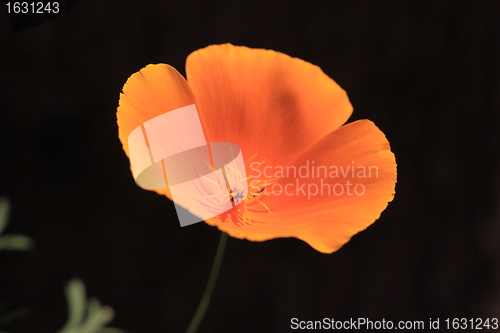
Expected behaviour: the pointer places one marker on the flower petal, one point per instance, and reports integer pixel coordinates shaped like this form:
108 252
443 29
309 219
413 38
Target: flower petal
265 101
326 220
154 90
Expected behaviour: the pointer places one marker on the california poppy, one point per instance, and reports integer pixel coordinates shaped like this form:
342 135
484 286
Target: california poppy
309 176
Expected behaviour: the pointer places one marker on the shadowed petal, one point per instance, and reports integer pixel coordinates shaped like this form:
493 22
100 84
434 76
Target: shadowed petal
265 101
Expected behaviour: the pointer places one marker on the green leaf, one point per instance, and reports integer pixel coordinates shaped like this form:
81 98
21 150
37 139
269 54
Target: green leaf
4 213
98 315
16 242
77 302
86 316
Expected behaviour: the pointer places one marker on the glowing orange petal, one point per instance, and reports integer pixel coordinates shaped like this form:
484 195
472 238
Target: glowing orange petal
152 91
265 101
326 222
284 109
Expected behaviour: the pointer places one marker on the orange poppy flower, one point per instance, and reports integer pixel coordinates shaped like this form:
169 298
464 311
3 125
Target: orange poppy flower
309 177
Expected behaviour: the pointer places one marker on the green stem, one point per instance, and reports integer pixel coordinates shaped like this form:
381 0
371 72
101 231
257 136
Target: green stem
207 295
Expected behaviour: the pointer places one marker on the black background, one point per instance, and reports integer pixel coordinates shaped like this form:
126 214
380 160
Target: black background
426 72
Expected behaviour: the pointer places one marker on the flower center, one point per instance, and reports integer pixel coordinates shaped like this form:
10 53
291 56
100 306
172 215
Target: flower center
245 205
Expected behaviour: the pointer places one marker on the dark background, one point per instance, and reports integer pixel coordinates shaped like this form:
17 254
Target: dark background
426 72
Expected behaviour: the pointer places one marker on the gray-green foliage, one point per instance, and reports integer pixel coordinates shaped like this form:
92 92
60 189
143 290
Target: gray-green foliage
86 316
11 242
